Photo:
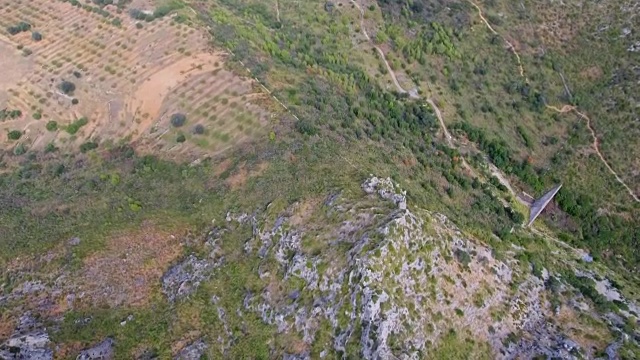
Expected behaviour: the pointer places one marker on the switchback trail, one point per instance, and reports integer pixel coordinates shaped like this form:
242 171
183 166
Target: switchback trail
564 109
596 144
494 171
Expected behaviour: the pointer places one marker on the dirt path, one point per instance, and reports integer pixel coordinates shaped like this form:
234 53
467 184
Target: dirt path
565 108
381 53
278 10
494 170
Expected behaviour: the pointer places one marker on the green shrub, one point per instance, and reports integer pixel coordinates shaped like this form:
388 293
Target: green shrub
181 138
463 257
50 148
139 26
26 52
76 125
37 115
19 149
36 36
14 135
52 125
74 101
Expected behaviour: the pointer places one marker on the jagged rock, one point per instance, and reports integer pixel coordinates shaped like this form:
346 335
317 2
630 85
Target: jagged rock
29 342
184 278
101 351
193 351
74 241
387 190
612 350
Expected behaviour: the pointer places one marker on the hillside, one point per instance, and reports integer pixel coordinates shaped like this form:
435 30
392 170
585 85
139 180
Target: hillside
318 179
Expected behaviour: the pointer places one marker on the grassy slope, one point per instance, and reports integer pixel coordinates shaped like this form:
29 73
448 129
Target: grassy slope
44 204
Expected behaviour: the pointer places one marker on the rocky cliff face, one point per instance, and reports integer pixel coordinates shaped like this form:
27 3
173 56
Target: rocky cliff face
408 279
364 274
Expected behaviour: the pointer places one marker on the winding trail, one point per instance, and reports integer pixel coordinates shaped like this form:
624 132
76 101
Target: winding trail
565 108
381 53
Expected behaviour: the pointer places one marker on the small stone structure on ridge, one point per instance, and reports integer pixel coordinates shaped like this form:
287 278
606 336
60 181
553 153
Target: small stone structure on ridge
540 203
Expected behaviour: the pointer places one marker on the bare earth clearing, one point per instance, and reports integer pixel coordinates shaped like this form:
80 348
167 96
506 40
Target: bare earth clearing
129 79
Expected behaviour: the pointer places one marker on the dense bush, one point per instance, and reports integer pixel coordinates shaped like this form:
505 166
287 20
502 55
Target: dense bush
137 14
178 119
89 145
306 127
67 87
14 134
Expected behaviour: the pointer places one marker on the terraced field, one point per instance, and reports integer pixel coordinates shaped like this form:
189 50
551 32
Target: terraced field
129 77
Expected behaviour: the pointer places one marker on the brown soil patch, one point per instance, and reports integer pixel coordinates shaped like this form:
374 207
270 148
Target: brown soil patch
570 322
7 326
240 177
304 211
130 267
13 65
222 167
591 73
68 350
148 98
187 339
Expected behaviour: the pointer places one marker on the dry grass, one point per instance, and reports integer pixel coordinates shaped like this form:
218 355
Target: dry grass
240 177
129 269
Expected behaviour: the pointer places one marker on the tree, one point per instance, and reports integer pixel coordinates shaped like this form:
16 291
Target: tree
178 119
67 87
